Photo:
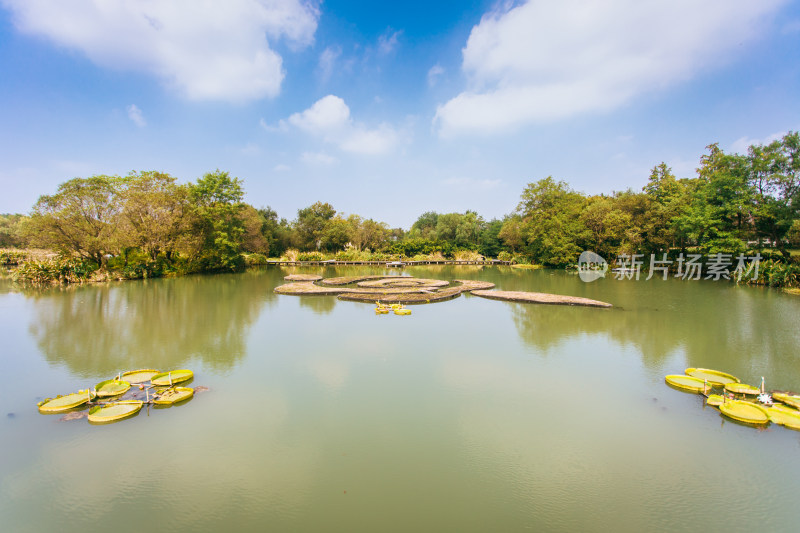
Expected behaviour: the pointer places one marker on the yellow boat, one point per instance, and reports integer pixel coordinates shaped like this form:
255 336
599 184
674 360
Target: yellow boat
747 412
741 388
59 404
171 378
174 395
687 383
715 377
111 387
113 411
402 311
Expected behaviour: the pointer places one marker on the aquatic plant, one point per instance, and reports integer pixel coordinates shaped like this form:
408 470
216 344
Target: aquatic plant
56 270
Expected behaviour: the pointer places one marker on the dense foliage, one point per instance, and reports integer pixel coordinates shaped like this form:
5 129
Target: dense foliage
147 224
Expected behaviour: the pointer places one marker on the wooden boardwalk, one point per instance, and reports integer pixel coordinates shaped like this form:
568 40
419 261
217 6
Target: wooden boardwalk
390 264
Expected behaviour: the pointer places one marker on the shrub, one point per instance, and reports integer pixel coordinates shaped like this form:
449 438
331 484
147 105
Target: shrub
251 260
309 256
505 256
57 270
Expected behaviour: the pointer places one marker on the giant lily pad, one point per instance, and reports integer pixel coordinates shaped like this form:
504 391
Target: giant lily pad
143 375
789 399
715 377
741 388
171 378
113 411
174 395
785 416
59 404
745 412
687 383
715 399
112 387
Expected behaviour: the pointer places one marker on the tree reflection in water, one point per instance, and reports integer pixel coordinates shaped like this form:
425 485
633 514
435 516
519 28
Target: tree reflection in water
99 330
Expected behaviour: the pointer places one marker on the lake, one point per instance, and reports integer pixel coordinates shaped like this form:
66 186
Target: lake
469 415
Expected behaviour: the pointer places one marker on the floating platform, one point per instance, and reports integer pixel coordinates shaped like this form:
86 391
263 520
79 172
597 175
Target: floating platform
539 298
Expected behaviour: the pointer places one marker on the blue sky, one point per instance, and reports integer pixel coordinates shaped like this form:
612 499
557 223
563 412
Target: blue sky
388 110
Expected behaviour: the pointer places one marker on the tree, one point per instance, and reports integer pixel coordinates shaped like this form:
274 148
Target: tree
489 242
12 230
277 233
155 214
425 226
607 226
81 218
253 239
336 235
775 178
311 224
552 227
217 201
511 233
367 233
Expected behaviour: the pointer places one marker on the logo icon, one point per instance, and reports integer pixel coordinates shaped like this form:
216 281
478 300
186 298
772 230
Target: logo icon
591 266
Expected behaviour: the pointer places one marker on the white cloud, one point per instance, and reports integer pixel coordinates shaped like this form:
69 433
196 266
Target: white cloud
365 141
544 61
741 145
205 50
280 126
330 119
319 158
327 62
250 149
281 168
473 184
135 114
388 42
328 114
434 74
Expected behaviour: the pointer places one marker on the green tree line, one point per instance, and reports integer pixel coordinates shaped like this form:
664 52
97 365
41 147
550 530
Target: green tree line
146 223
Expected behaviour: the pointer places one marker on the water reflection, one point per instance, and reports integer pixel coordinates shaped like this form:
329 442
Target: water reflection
320 304
747 330
98 330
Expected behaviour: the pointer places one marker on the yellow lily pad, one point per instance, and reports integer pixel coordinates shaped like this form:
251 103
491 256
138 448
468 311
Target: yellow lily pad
172 377
142 375
113 411
174 395
715 399
745 412
687 383
59 404
112 387
715 377
741 388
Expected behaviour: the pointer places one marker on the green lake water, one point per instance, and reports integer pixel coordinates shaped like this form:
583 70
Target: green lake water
468 415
